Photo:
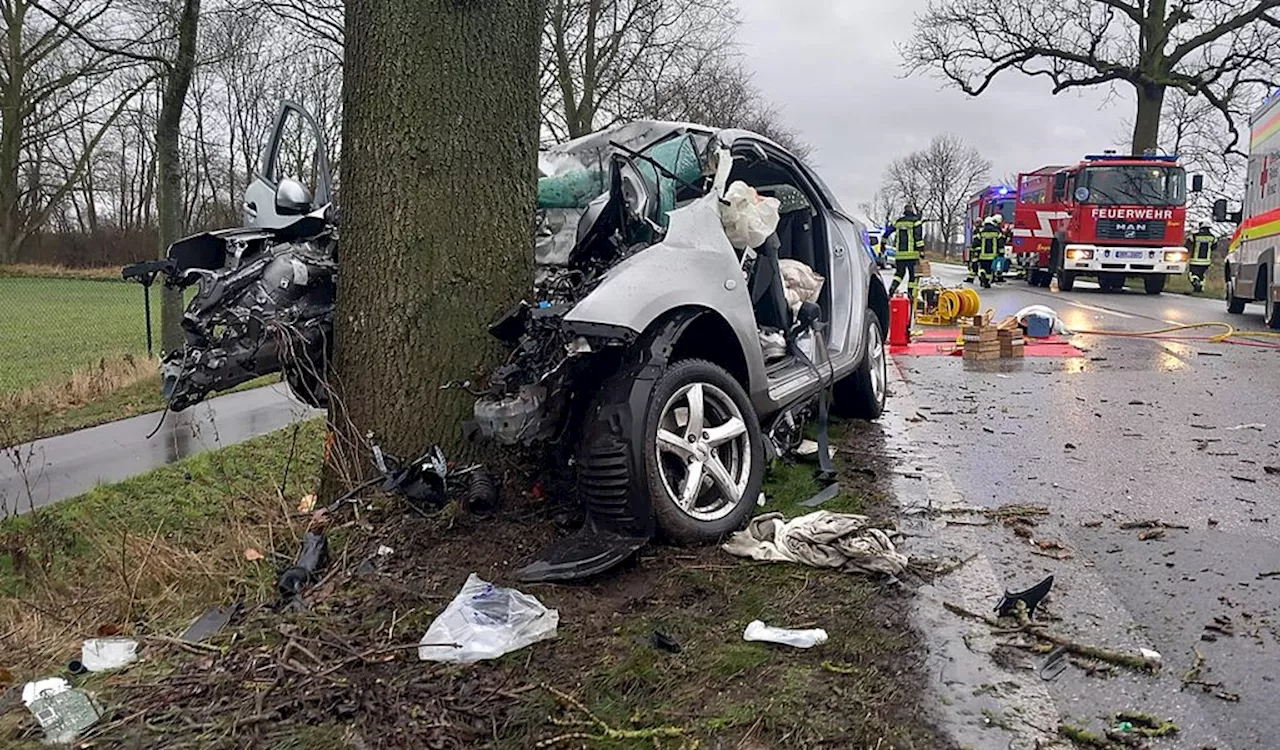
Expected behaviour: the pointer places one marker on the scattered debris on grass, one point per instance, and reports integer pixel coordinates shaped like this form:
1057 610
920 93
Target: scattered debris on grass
822 539
484 622
601 731
758 631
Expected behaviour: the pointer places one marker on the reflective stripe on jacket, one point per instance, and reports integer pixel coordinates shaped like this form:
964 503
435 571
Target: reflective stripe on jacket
909 235
1202 249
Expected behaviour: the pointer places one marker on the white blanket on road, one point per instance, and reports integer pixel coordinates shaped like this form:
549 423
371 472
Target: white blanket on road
822 539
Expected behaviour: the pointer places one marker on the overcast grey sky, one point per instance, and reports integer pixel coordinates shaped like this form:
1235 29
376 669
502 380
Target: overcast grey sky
833 70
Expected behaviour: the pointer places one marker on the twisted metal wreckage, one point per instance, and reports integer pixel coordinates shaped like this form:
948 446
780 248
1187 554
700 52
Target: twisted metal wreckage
699 296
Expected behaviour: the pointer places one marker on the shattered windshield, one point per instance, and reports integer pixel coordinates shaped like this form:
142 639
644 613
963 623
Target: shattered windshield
1134 185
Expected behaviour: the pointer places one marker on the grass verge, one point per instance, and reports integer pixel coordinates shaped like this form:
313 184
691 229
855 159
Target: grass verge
36 271
54 328
112 390
147 555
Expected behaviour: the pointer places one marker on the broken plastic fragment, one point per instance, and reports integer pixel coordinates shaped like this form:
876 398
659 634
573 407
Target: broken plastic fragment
1031 597
758 631
63 712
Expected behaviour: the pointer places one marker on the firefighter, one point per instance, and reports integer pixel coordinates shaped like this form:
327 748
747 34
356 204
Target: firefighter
1201 245
908 234
973 257
988 244
1002 260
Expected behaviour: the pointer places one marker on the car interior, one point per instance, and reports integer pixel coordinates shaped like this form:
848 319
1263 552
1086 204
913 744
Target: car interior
800 237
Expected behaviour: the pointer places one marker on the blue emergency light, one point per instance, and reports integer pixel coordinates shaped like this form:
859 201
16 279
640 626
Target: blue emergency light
1004 191
1143 157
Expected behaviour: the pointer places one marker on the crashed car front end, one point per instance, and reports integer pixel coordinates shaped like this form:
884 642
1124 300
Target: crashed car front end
263 303
601 200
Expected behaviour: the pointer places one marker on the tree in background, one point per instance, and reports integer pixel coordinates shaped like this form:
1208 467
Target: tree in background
953 171
1216 50
440 137
938 181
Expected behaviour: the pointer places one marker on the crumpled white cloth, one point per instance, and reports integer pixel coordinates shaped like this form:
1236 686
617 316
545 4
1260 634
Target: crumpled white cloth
822 539
801 283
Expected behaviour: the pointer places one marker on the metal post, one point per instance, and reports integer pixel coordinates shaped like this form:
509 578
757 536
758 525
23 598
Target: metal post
146 303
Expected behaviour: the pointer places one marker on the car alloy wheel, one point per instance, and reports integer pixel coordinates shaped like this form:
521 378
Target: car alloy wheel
704 452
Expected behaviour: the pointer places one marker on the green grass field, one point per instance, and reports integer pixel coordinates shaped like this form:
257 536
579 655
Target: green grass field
51 327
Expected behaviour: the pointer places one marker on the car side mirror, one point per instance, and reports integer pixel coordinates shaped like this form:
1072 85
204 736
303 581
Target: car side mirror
292 199
1059 182
1220 209
1197 183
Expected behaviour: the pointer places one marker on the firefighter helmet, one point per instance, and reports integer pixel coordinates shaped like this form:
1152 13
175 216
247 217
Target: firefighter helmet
989 221
998 218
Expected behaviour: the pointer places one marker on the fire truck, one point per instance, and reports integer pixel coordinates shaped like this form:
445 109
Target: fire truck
1110 217
1252 269
991 200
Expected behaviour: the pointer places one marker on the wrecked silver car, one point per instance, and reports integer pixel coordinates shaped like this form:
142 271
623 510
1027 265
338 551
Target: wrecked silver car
700 297
264 293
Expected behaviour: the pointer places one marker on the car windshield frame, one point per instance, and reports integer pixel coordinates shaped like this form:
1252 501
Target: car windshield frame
1134 185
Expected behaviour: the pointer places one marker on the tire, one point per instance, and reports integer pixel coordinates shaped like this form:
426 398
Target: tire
1154 283
1271 312
862 394
1235 305
1066 280
712 513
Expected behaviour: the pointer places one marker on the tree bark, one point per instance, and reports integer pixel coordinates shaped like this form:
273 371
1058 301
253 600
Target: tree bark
168 167
11 134
1146 126
440 132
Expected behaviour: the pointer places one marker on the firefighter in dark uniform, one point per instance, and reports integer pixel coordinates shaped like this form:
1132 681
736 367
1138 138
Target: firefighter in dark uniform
988 243
1201 245
973 256
908 234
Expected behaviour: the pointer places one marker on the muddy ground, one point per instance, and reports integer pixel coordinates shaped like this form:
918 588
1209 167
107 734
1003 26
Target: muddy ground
345 672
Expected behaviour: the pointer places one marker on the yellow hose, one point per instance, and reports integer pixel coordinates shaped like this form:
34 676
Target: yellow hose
1229 332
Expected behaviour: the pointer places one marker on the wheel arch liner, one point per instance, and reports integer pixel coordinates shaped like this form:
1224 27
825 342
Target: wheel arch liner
612 484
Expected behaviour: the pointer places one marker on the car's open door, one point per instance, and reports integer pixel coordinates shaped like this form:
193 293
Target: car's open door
295 150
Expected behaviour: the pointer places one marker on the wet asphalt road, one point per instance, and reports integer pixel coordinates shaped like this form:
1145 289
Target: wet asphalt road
1133 430
52 469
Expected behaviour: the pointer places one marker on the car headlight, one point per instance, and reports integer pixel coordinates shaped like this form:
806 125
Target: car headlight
1079 254
1175 256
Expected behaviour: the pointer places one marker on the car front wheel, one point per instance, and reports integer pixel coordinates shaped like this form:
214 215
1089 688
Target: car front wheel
704 453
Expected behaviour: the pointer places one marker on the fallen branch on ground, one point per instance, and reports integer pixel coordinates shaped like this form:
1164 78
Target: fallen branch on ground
1135 662
604 732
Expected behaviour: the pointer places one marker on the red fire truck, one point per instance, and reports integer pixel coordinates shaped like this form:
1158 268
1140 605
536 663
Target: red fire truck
1109 217
991 200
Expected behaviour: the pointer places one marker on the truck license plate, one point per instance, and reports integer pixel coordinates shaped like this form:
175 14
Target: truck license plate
1129 254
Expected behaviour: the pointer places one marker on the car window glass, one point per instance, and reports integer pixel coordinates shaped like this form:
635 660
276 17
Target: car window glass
299 154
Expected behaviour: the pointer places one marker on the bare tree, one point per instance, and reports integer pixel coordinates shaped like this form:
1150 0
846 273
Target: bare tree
881 209
597 54
717 92
1214 49
953 171
904 183
52 83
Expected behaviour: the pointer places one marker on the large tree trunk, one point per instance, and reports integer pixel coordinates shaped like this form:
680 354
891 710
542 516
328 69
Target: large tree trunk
168 168
440 130
11 136
1146 126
